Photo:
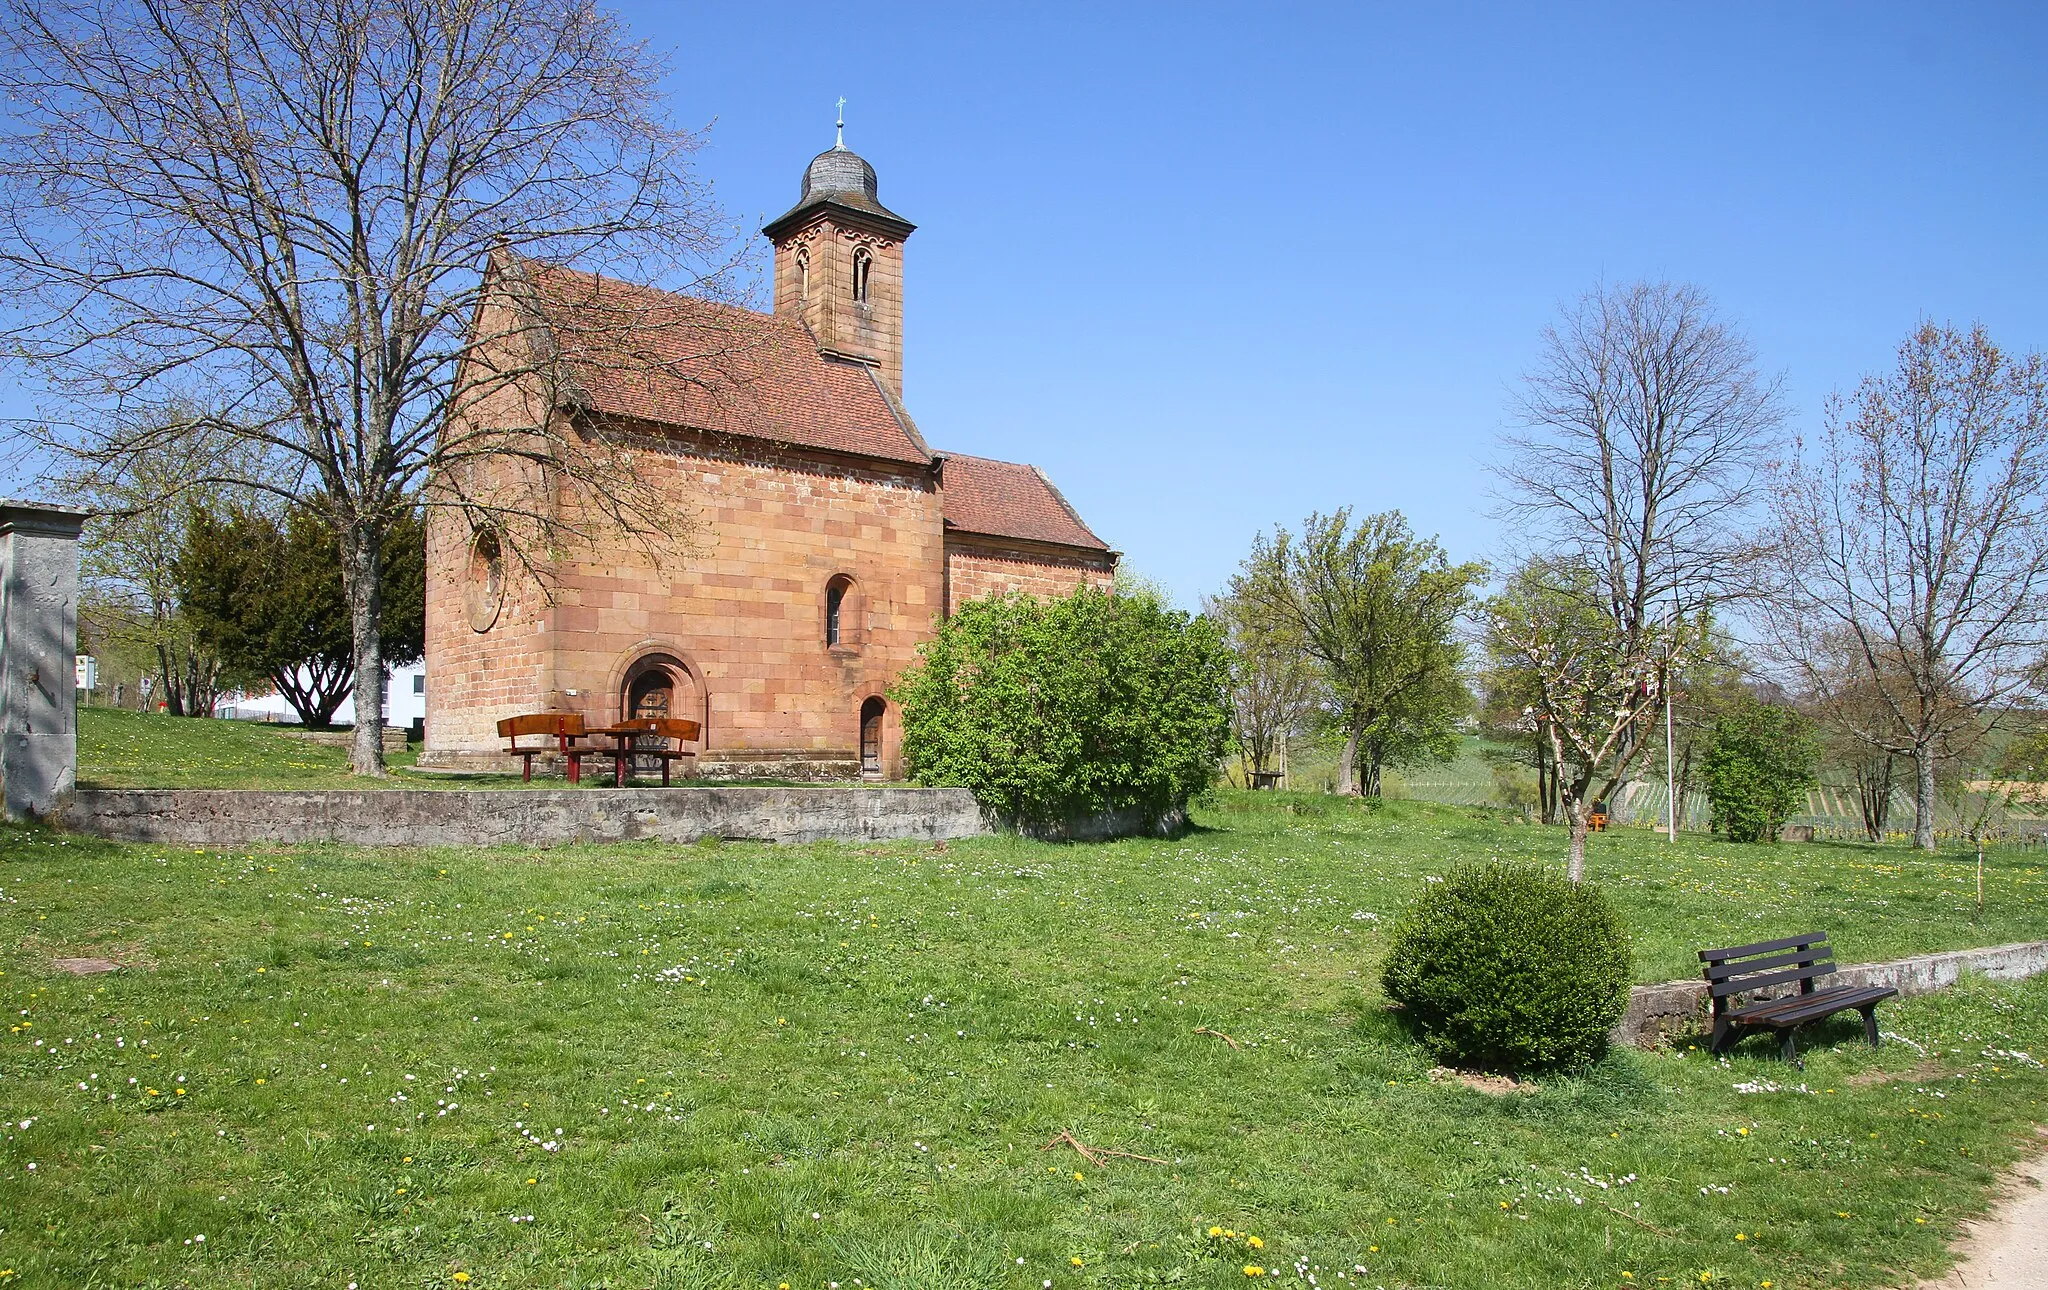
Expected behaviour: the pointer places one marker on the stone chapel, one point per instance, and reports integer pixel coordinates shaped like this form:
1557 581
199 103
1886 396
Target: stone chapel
830 536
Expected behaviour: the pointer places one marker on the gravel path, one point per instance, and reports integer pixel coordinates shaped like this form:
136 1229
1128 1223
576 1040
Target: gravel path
2009 1249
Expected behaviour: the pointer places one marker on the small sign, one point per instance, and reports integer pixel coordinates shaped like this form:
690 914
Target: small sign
86 671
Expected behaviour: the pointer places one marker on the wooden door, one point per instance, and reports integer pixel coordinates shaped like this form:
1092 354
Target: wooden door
871 737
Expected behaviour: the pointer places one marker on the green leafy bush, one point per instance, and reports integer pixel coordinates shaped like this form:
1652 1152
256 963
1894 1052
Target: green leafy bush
1506 967
1050 710
1758 770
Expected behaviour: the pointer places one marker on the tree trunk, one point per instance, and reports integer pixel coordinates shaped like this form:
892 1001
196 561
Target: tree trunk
173 703
1371 785
1579 814
362 561
1347 767
1874 793
1923 798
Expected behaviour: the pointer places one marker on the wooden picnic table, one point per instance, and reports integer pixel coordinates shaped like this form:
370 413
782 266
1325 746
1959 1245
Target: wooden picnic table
628 742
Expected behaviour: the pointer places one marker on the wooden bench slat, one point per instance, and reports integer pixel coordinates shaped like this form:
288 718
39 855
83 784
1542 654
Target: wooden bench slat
1723 971
1722 989
1763 947
1793 1009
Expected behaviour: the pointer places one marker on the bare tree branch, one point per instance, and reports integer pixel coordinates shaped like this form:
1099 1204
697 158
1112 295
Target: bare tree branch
1908 570
305 218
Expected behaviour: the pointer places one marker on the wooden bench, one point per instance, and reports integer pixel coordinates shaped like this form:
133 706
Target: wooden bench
1740 969
665 738
557 731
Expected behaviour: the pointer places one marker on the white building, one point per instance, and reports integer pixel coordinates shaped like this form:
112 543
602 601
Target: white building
405 700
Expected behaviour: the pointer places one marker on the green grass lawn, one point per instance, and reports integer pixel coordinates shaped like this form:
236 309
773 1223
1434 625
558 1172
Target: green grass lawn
740 1065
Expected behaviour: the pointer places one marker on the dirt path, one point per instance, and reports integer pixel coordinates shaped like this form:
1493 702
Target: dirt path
2007 1250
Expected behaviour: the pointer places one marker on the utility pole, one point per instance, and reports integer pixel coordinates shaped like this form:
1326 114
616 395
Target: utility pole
1670 774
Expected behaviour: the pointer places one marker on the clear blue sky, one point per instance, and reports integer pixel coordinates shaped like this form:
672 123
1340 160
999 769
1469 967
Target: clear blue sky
1216 267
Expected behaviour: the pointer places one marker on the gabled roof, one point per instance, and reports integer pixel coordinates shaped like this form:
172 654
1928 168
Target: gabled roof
1007 500
677 360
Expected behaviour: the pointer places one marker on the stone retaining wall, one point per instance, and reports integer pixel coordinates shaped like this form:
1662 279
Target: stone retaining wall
519 817
1677 1006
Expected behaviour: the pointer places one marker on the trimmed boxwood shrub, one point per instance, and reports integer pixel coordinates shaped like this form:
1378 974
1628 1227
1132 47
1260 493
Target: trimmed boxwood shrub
1508 967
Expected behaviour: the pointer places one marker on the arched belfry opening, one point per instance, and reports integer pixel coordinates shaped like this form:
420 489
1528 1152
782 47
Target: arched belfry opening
871 713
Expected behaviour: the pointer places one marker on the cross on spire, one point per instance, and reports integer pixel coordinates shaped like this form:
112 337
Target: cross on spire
840 141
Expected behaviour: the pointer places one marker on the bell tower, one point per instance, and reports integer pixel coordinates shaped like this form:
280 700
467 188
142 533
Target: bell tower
839 264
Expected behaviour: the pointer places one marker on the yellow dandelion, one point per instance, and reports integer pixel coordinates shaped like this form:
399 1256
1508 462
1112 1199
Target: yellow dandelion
462 1278
1741 1237
1077 1175
1254 1242
1215 1231
1254 1270
1076 1261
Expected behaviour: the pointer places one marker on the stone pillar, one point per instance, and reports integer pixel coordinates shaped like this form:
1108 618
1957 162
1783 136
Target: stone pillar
38 649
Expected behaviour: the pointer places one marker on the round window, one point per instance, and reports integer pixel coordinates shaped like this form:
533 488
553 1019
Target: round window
483 592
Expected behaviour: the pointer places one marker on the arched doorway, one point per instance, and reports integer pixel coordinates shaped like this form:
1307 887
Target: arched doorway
659 686
871 737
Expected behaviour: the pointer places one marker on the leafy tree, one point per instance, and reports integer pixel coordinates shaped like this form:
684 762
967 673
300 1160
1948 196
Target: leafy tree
1378 608
267 596
1049 710
1759 769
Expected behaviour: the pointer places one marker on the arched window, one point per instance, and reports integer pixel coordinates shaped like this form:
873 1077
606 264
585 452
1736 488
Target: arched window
837 592
862 263
803 275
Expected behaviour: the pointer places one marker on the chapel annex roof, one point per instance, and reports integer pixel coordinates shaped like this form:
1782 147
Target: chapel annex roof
678 360
1005 499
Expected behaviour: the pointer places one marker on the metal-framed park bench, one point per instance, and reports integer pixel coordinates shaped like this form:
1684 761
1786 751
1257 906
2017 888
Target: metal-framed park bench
1742 969
558 732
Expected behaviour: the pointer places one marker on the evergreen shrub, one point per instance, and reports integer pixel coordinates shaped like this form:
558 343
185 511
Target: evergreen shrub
1508 967
1055 710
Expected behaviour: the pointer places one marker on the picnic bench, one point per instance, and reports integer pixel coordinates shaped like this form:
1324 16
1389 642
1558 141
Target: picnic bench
557 733
665 739
1743 969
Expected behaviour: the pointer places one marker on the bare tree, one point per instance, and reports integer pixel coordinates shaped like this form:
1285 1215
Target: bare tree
283 210
1274 683
1909 569
1644 425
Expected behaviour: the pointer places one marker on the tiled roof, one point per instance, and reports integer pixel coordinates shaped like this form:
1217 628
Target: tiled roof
1004 499
635 351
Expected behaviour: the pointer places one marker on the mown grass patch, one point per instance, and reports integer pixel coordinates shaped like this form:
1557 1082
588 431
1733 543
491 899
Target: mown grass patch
739 1065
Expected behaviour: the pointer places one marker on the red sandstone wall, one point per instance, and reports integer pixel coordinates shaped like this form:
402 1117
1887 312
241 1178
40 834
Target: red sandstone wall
742 604
978 567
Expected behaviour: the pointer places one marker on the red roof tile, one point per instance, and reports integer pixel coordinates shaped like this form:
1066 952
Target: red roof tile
677 360
1004 499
